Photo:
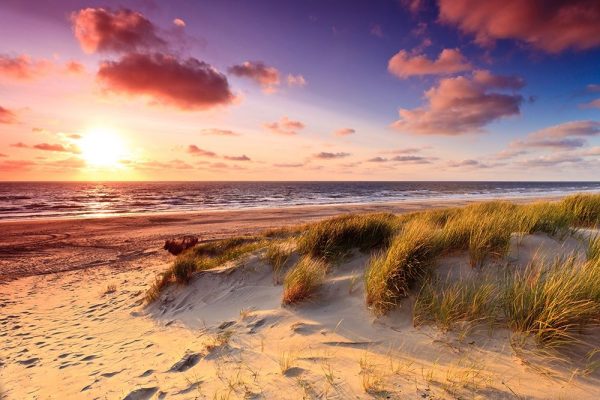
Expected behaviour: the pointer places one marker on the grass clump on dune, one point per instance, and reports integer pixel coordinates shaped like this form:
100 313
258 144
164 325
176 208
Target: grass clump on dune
391 274
277 256
584 209
553 303
303 280
593 248
202 257
335 237
446 303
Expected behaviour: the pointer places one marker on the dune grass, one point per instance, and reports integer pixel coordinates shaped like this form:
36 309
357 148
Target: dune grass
593 248
551 302
446 303
202 257
277 255
484 230
555 302
391 274
335 237
302 281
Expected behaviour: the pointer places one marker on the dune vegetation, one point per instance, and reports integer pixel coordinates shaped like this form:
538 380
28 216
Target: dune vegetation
551 301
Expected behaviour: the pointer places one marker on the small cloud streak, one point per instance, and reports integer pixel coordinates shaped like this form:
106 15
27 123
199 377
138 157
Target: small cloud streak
123 30
289 165
296 80
267 77
344 132
237 158
198 152
57 148
179 22
551 160
187 84
473 164
450 61
23 67
402 159
7 116
219 132
565 136
462 105
285 126
330 156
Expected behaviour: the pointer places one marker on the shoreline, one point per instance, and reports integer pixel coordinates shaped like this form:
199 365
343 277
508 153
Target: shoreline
391 203
41 247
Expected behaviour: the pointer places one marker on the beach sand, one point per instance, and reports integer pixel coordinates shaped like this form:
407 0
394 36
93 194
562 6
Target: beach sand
74 325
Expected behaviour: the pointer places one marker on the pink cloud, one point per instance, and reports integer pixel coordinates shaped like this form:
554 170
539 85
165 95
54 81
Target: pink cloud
289 165
186 84
219 132
344 132
450 61
285 126
565 136
197 151
56 147
414 6
461 105
104 30
23 67
592 104
330 156
7 116
16 165
552 26
573 128
179 22
74 67
237 158
159 165
267 77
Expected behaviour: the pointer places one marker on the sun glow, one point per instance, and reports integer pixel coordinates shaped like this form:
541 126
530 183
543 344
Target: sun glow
102 147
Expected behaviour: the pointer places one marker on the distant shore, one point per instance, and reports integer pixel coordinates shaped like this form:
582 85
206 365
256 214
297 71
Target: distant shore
46 246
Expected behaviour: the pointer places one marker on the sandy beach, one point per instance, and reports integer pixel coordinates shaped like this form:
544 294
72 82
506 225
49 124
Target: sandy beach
35 247
74 323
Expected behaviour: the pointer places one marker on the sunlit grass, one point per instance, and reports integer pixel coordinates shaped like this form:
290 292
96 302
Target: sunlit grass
303 280
391 274
335 237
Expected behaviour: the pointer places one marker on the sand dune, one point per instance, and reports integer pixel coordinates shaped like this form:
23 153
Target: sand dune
226 335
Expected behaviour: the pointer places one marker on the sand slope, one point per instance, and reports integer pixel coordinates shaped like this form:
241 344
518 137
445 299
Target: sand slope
226 334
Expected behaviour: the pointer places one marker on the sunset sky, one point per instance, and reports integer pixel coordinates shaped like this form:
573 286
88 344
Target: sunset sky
300 90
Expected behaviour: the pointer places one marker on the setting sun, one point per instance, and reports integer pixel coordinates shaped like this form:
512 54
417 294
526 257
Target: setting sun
102 147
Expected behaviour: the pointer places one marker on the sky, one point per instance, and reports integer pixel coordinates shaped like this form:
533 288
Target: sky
300 90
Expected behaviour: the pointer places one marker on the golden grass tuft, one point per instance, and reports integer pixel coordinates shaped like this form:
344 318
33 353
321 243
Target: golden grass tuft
277 255
335 237
445 303
391 274
302 281
202 257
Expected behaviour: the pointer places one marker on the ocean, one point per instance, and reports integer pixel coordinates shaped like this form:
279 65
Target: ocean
26 200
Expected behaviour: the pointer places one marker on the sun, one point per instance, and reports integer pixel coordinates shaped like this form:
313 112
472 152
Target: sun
102 147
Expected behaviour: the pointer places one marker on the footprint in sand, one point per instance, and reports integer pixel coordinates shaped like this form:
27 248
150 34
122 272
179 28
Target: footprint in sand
141 394
187 362
29 362
147 373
